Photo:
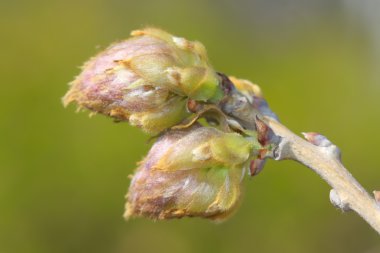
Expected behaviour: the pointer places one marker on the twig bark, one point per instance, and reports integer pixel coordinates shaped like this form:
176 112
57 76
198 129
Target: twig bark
323 157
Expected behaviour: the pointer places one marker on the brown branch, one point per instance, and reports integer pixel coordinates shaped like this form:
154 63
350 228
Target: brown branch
323 157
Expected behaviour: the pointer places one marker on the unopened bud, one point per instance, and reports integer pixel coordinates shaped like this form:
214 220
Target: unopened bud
146 80
317 139
248 89
256 166
192 172
254 95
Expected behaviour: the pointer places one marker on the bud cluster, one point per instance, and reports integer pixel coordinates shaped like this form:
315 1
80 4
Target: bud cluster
165 85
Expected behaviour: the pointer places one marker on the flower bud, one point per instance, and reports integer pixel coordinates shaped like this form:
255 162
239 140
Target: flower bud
192 172
254 95
147 80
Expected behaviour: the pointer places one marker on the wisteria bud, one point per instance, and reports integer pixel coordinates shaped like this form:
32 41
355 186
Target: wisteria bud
192 172
254 95
208 124
146 80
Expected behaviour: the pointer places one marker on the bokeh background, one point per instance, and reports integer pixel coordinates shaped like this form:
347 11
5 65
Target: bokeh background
63 176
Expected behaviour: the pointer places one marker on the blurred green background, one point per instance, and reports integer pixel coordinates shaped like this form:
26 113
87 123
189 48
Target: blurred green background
63 176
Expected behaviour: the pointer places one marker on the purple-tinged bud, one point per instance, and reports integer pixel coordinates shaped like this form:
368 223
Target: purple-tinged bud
254 95
265 134
192 172
321 141
147 80
247 88
317 139
256 166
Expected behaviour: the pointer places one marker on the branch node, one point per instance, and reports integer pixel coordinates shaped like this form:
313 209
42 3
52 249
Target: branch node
317 139
322 156
281 151
325 144
338 201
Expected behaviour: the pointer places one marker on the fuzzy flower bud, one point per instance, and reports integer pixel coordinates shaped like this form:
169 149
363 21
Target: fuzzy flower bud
192 172
146 80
